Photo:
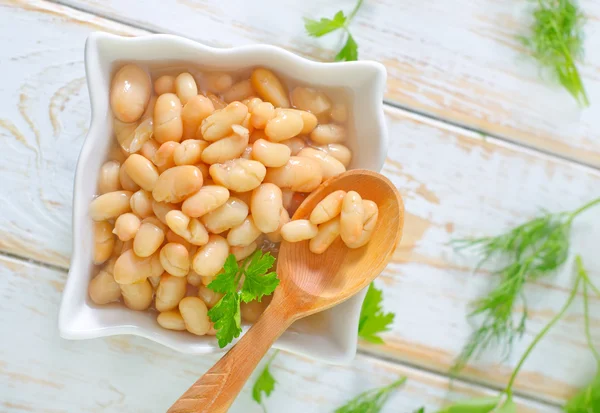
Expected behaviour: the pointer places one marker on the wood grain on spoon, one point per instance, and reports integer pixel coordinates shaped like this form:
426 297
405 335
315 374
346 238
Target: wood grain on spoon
309 283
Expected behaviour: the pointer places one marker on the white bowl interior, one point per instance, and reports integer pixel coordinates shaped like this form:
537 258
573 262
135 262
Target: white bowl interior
329 336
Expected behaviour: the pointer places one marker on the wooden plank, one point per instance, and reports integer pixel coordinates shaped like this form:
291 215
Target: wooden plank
40 372
455 183
462 63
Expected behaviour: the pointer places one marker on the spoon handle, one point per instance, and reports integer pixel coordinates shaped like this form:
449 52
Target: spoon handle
216 390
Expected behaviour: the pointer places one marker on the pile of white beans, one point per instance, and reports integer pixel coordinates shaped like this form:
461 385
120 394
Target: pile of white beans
207 166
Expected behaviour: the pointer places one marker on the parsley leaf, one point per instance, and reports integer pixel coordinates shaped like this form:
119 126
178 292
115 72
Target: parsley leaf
371 401
349 52
372 318
318 28
227 319
226 313
265 383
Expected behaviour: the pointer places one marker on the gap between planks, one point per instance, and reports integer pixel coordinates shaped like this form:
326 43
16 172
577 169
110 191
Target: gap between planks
423 114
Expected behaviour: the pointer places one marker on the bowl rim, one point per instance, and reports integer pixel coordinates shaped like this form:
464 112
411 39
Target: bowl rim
270 54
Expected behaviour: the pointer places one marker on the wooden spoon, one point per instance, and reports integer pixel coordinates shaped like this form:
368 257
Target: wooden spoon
309 283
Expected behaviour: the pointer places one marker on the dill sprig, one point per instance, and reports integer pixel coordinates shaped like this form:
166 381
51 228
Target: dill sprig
532 250
372 400
556 41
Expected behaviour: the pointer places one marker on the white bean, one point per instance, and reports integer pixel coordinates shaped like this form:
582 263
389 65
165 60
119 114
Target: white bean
168 125
284 218
209 297
298 230
370 219
230 214
228 148
351 218
328 208
141 171
209 259
328 232
311 100
239 175
243 252
104 241
185 87
110 205
243 234
195 315
126 226
207 199
137 296
265 204
148 239
103 288
328 133
175 259
218 125
170 292
271 154
299 174
177 183
171 320
141 203
330 166
108 180
129 93
338 151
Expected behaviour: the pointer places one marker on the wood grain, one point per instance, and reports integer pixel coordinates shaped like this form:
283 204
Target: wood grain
455 183
129 374
463 63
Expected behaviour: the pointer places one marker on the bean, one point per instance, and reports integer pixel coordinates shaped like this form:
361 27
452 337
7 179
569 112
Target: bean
238 92
130 268
265 206
129 93
209 297
261 114
309 120
246 123
328 133
209 259
161 209
191 230
284 218
185 87
149 149
295 145
110 205
218 125
126 226
285 125
328 232
300 174
351 218
252 311
164 84
247 154
245 197
189 152
256 135
126 182
103 289
298 230
329 207
239 175
154 280
195 315
141 203
168 125
141 171
244 252
196 109
251 103
369 220
104 241
217 102
108 180
218 82
137 296
164 158
170 292
227 148
120 248
338 151
330 166
177 183
156 222
311 100
232 213
339 113
133 136
287 198
269 87
175 259
207 199
171 236
194 279
243 234
171 320
270 154
148 239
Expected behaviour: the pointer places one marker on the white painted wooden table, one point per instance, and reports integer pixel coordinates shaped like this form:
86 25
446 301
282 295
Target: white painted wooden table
478 144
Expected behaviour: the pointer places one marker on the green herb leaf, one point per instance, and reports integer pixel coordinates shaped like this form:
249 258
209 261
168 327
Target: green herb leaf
587 400
508 406
370 401
226 317
531 250
349 52
256 282
226 281
556 41
476 405
265 383
318 28
372 318
421 410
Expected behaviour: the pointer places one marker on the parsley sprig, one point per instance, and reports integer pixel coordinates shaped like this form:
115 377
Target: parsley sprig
265 383
372 318
340 21
257 283
532 250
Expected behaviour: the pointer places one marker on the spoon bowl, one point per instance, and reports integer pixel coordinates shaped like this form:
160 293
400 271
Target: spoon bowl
309 283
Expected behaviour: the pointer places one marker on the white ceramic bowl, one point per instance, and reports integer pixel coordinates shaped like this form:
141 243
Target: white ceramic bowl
330 336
